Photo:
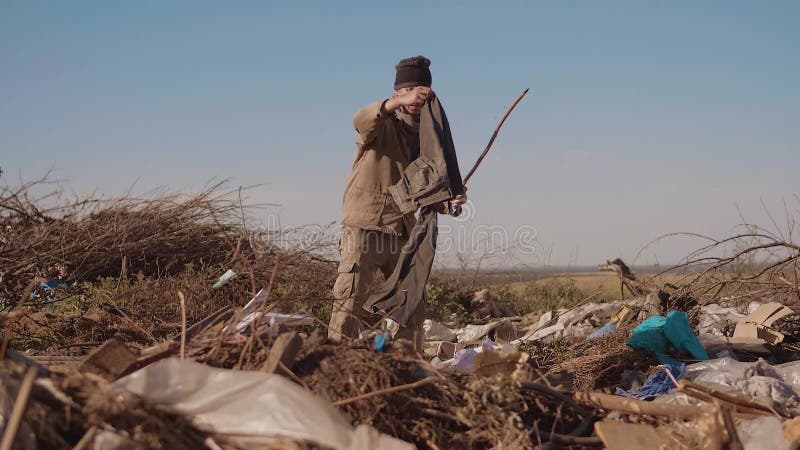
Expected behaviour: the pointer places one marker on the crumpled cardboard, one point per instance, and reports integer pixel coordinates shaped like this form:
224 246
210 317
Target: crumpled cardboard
754 330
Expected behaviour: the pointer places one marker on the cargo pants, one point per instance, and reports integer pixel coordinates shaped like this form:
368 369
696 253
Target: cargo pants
363 254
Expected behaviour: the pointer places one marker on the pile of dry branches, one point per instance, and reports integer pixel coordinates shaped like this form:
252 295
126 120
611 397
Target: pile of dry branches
121 262
87 239
755 263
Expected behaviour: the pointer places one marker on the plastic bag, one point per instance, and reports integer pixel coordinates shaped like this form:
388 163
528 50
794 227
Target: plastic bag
258 405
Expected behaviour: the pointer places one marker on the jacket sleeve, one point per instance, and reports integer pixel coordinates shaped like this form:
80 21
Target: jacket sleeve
368 119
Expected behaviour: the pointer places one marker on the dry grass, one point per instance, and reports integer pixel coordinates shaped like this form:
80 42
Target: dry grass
600 285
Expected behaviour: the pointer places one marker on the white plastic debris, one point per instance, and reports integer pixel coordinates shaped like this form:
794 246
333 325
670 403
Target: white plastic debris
224 278
544 332
769 389
472 333
776 386
464 360
251 408
437 331
251 312
764 433
714 319
577 322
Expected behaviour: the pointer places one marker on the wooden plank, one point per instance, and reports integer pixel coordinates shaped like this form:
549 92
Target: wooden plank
111 360
283 352
636 406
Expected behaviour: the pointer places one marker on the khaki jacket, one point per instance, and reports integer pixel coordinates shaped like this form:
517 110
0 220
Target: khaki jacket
382 155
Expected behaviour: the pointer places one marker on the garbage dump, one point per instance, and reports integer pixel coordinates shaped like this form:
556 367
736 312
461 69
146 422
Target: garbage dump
202 336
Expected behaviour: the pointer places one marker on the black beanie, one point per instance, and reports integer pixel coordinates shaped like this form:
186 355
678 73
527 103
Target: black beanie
412 72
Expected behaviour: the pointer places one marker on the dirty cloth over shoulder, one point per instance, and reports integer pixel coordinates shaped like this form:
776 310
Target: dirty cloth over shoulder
427 184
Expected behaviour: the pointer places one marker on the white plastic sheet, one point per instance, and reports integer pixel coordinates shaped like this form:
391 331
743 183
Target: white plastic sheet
464 360
436 331
773 385
251 312
472 333
764 433
577 322
715 318
250 407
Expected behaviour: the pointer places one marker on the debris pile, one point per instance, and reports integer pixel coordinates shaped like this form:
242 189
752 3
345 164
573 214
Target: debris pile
165 324
80 272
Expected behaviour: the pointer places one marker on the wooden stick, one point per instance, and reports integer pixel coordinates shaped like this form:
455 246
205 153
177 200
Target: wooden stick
212 444
734 443
183 324
636 406
740 403
388 390
273 276
494 136
18 410
711 399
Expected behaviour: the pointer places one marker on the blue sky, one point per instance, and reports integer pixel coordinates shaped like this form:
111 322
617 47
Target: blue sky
644 117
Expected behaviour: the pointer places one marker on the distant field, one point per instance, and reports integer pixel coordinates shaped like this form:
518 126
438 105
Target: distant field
587 280
532 291
602 284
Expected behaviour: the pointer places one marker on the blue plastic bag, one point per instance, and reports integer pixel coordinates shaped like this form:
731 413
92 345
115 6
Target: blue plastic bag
679 333
657 331
601 331
649 335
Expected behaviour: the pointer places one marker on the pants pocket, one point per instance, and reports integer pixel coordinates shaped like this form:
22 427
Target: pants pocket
345 284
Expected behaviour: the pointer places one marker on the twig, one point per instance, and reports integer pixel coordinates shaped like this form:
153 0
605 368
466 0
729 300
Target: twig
741 404
552 392
494 136
635 406
183 324
388 390
726 417
212 444
293 376
444 415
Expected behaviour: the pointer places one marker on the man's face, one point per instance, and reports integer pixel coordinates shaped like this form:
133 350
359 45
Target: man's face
415 108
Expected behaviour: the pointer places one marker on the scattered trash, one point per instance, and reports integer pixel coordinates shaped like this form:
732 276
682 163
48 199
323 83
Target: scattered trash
380 342
251 312
473 333
464 360
436 331
108 376
601 331
491 362
47 290
718 320
224 278
658 383
778 386
755 328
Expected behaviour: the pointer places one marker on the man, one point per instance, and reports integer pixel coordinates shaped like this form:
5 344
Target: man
374 228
